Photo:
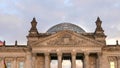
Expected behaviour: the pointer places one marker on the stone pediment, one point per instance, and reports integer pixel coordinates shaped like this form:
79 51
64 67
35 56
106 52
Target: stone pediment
67 38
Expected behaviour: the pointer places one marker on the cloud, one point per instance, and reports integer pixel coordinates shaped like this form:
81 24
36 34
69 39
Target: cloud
15 16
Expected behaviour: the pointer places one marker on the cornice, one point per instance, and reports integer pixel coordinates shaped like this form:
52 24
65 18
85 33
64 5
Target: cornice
13 49
111 48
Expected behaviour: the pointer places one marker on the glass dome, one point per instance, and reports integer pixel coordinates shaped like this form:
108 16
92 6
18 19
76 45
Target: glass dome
65 26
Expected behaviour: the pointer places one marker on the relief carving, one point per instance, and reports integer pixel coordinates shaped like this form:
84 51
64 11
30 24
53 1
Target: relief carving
65 40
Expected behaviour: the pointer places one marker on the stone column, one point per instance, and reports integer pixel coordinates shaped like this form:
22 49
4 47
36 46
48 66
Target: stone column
59 60
47 60
15 62
2 62
118 62
73 60
33 60
86 60
28 60
99 59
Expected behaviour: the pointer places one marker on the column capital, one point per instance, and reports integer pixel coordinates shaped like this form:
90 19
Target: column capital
59 54
86 53
15 58
73 53
46 54
99 54
34 54
118 57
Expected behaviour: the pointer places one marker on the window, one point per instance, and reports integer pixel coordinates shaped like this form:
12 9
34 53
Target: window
21 64
53 63
8 64
112 64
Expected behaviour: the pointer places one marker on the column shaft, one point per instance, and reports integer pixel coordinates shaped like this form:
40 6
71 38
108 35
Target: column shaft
105 62
73 60
59 60
118 62
34 60
86 60
2 62
99 59
47 60
28 60
15 62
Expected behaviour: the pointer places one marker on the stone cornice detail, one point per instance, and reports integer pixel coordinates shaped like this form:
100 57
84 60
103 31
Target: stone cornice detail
111 48
13 49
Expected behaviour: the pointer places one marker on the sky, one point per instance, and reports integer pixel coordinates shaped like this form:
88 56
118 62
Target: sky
16 15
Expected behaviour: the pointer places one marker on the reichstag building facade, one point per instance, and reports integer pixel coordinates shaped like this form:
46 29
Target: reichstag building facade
64 41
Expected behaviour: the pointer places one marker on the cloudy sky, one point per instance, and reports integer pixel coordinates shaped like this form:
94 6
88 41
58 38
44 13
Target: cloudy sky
16 15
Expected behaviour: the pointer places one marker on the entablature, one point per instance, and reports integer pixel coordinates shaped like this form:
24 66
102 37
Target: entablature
65 49
111 48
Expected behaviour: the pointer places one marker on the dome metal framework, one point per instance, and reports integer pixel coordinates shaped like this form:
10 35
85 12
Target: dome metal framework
65 26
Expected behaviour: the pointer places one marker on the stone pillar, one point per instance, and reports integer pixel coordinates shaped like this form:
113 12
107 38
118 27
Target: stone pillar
86 60
99 59
59 60
47 60
73 60
118 62
33 60
105 62
28 60
15 62
2 62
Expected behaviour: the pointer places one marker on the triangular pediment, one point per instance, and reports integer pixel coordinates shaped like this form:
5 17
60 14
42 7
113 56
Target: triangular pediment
67 38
